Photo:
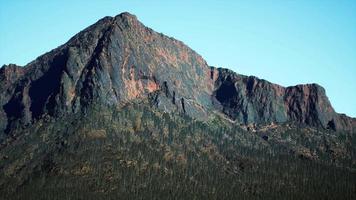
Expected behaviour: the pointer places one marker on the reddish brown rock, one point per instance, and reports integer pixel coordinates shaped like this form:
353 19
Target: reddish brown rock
118 59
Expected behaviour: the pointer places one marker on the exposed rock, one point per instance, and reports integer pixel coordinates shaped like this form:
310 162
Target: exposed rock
111 62
118 59
248 99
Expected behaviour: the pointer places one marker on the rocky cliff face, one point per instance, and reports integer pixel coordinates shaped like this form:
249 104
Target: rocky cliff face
118 60
252 100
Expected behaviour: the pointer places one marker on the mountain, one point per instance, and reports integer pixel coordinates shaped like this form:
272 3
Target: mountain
119 59
118 85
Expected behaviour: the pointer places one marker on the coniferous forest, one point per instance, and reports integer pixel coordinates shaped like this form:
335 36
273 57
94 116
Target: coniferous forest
137 152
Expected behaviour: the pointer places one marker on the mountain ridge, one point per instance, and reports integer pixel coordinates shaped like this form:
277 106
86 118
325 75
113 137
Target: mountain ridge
118 59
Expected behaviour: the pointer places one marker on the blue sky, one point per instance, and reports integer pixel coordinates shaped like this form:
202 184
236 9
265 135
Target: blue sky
285 42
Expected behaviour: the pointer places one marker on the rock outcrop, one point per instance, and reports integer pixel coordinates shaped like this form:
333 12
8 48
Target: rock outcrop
118 60
248 99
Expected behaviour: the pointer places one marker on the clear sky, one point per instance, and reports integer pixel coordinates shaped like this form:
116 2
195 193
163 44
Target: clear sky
285 42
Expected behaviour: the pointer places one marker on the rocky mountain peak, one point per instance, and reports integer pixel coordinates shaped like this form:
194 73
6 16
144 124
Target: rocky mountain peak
118 60
126 16
112 62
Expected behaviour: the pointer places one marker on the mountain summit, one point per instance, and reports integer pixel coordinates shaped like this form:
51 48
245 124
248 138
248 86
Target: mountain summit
118 59
111 62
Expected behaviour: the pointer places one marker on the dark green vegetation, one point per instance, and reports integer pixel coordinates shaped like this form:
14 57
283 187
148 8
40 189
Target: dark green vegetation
137 152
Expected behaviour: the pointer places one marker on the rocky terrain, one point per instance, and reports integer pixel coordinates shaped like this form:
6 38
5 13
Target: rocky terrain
252 100
119 97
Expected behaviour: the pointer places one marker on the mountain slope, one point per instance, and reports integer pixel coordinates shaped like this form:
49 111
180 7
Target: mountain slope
139 152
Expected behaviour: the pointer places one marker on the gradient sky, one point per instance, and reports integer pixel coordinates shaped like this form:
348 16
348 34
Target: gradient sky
285 42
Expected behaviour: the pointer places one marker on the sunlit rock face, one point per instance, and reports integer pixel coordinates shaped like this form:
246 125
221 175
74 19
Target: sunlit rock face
118 60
